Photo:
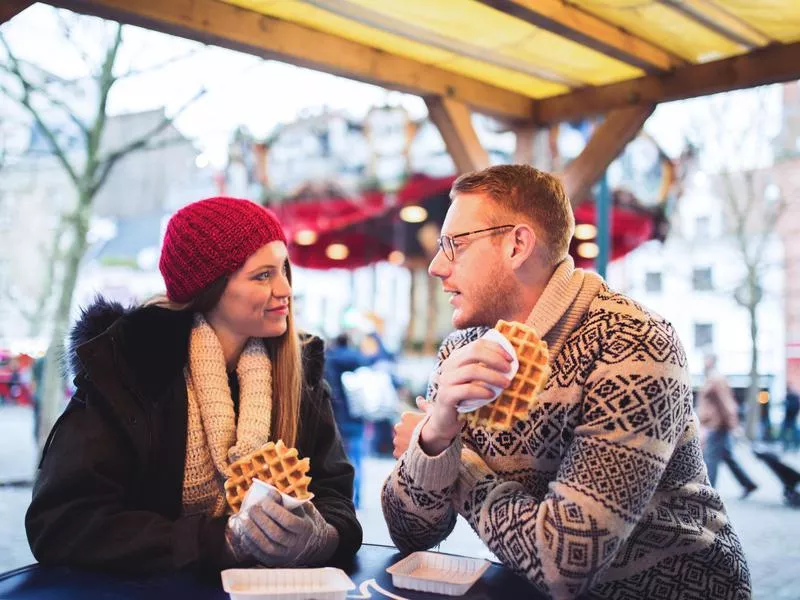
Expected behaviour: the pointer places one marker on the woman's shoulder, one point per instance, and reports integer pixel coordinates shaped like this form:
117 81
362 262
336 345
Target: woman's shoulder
152 335
313 353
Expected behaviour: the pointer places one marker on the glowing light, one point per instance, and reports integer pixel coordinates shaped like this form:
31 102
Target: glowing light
588 250
413 214
585 231
396 257
201 162
337 252
305 237
763 397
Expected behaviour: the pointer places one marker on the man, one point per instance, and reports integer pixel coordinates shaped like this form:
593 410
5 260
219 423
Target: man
717 410
603 492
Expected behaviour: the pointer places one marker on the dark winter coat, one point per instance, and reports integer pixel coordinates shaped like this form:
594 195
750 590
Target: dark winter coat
108 490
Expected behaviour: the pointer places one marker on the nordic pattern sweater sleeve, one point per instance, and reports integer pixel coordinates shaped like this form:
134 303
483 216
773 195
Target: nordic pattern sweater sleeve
417 496
608 474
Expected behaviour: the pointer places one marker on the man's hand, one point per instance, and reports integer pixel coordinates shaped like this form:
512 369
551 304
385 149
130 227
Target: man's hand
404 429
465 375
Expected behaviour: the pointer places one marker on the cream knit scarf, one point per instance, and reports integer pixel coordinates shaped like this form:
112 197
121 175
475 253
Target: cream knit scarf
563 303
214 438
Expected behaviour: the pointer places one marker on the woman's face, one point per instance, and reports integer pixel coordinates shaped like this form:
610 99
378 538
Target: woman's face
255 302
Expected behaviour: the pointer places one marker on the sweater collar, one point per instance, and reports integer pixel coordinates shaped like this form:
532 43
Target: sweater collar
559 293
565 299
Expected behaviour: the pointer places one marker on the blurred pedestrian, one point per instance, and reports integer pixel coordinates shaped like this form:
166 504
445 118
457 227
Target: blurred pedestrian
341 357
716 408
789 434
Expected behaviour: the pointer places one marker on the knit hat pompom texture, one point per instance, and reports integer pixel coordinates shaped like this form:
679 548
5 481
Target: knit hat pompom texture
211 238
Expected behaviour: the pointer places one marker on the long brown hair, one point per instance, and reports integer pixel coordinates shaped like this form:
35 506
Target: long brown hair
283 351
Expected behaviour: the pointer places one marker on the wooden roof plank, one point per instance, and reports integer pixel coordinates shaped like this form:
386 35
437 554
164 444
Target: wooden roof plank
771 64
11 8
590 31
210 21
720 21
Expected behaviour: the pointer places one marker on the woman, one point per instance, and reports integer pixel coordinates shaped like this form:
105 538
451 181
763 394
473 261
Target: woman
169 394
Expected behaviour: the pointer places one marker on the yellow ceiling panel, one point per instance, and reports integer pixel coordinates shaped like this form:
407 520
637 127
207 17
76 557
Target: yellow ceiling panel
481 26
466 37
664 26
777 19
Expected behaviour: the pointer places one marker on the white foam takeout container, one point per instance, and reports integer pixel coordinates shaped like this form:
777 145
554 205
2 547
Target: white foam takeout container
286 584
258 490
437 573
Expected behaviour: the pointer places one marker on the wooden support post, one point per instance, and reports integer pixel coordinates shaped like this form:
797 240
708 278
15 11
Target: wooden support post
11 8
454 121
608 140
523 152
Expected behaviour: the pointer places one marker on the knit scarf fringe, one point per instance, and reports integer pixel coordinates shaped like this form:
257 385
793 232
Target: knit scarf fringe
214 437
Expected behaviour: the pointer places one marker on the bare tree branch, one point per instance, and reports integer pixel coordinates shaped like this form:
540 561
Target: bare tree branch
105 82
25 101
130 73
66 30
140 143
51 99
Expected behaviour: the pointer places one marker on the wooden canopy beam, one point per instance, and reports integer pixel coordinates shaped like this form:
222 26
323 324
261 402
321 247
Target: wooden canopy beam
772 64
213 22
11 8
454 121
607 141
717 19
588 30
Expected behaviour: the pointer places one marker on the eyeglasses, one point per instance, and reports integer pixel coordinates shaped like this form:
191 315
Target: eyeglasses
447 243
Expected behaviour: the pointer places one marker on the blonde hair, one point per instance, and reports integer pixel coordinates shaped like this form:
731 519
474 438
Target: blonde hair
284 352
530 193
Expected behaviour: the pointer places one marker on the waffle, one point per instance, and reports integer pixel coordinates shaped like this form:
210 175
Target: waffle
516 401
275 464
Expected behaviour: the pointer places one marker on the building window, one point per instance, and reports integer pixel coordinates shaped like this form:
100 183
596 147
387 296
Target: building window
703 335
702 226
652 282
701 279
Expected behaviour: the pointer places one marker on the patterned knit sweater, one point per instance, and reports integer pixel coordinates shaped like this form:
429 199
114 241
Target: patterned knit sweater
603 492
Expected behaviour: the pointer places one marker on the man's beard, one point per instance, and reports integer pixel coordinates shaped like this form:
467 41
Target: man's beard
492 301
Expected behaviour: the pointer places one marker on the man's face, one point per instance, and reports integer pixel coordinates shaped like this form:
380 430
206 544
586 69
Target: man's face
479 279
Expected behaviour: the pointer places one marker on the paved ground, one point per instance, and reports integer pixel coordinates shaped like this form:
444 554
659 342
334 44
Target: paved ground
770 532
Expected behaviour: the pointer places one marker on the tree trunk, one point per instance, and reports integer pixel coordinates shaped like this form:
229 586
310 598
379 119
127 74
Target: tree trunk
52 257
56 366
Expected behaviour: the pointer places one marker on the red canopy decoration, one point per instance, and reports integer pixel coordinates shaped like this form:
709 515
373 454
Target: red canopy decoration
629 229
370 227
335 213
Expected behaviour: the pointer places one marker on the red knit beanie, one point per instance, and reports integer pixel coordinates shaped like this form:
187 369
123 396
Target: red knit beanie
211 238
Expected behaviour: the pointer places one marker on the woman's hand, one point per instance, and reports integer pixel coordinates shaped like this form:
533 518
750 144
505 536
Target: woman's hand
275 536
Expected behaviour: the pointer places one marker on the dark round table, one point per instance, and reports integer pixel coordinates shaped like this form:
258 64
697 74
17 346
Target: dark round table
368 572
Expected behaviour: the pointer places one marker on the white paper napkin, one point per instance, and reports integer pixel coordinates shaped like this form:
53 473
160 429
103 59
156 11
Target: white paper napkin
258 490
492 335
